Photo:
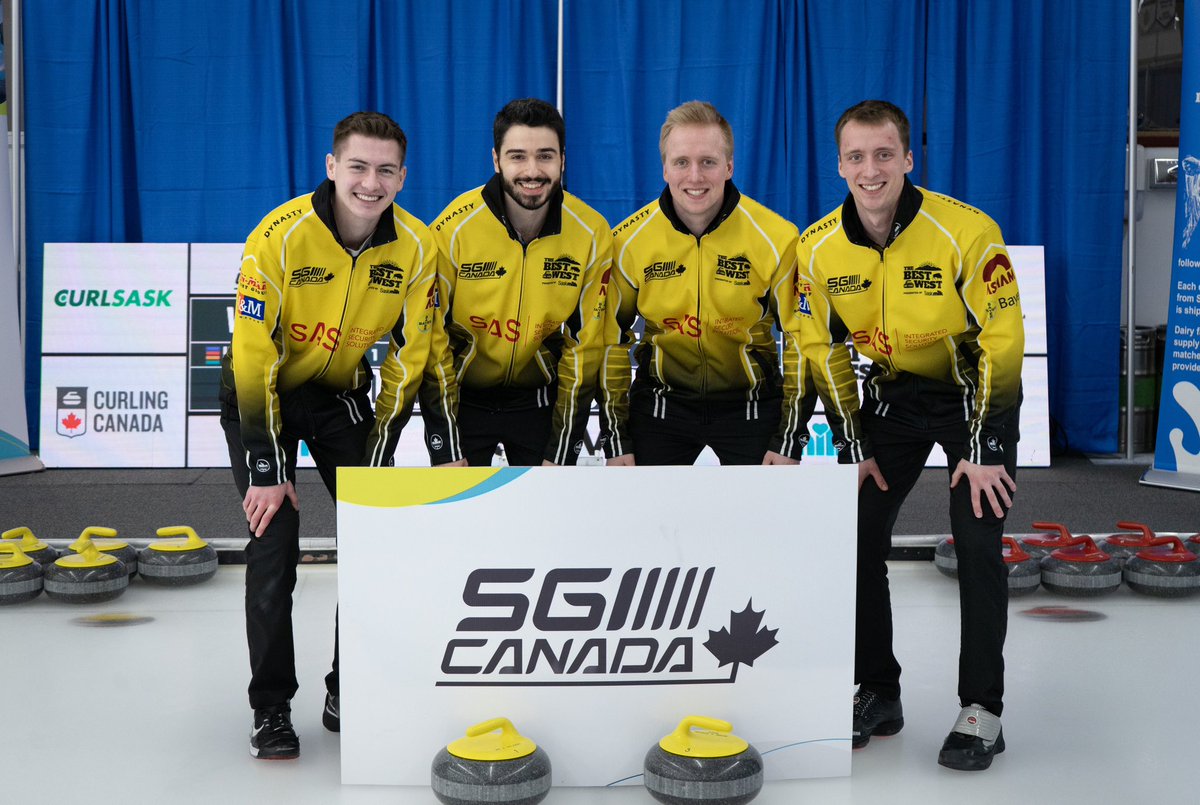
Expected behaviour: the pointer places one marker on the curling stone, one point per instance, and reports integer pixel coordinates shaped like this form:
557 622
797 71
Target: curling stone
1024 571
176 562
945 558
701 762
1080 569
20 575
114 547
31 546
1123 546
87 576
1166 572
493 764
1041 545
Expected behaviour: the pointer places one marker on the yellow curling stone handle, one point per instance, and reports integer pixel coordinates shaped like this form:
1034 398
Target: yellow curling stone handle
17 558
496 739
191 541
699 736
91 532
25 538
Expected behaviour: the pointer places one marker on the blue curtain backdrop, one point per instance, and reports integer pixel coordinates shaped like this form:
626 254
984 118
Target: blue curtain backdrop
1027 110
174 121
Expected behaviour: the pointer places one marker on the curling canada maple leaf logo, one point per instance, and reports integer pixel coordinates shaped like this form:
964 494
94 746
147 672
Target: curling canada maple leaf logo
71 419
743 641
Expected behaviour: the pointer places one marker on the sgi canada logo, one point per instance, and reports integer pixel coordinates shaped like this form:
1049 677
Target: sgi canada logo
598 626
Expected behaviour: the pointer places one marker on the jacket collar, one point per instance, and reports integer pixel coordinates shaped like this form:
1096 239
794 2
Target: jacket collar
906 211
322 202
732 197
493 196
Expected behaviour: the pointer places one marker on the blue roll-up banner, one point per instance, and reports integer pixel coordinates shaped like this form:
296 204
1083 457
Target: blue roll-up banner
1177 452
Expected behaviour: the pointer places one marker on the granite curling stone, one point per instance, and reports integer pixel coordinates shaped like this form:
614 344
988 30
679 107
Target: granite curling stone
493 764
20 575
103 539
1123 546
1080 569
1024 571
186 559
31 546
1041 545
1165 569
702 762
945 558
87 576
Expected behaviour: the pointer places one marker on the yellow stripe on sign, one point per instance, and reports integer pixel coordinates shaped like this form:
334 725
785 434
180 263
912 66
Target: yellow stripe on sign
396 487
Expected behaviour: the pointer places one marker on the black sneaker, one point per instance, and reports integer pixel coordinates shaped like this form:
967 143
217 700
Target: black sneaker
332 717
273 737
875 715
976 738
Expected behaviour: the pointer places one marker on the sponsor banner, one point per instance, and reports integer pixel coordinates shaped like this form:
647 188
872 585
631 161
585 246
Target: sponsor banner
214 268
1033 450
112 412
1177 449
106 298
573 628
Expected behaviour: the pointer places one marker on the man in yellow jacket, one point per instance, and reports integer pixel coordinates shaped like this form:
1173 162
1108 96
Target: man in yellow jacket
323 278
522 272
923 286
708 271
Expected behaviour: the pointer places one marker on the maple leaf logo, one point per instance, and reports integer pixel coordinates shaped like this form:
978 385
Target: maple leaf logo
72 422
743 641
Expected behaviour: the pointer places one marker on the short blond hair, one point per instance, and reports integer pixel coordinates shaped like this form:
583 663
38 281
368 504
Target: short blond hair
695 113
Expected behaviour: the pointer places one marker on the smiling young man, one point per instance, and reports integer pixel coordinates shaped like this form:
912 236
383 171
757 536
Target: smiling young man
522 272
923 286
708 270
323 278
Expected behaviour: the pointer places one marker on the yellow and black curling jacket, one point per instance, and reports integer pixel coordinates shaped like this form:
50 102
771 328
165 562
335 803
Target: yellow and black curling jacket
708 304
524 321
937 311
307 312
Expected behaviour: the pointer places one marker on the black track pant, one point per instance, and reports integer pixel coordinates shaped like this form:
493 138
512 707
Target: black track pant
901 453
323 421
679 438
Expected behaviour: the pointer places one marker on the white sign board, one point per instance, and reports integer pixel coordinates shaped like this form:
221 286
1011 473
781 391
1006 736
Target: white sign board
114 297
473 593
97 412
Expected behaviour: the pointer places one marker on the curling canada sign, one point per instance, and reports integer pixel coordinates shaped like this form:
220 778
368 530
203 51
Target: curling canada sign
570 626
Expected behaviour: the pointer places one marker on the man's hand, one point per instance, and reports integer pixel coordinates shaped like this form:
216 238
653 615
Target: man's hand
778 458
869 468
462 462
548 463
990 480
621 461
262 502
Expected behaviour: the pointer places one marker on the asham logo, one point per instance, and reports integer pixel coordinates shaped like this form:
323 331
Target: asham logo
598 626
71 417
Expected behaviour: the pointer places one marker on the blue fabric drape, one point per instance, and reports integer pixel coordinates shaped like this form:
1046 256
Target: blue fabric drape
173 121
780 71
1026 114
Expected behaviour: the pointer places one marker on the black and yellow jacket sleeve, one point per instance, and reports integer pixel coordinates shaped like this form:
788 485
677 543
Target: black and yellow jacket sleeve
708 305
936 310
307 312
524 322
